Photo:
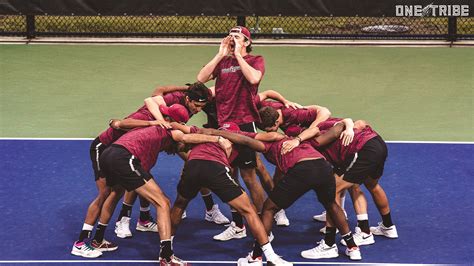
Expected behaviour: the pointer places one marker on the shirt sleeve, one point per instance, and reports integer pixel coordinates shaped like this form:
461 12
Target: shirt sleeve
258 63
325 125
172 97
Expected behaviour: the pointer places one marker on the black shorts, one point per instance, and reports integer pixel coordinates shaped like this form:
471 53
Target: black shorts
246 158
316 175
95 151
122 168
369 162
209 174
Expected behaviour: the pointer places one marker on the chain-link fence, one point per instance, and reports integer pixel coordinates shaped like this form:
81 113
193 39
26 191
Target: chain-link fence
217 26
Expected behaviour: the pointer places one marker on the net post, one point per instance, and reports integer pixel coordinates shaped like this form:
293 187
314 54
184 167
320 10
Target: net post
241 21
30 26
452 29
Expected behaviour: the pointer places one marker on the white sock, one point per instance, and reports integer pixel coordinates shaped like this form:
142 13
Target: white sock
144 209
87 227
362 217
268 251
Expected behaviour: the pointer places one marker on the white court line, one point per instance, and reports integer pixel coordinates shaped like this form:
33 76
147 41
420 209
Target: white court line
389 141
200 262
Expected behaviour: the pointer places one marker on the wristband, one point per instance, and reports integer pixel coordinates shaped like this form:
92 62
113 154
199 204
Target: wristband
299 139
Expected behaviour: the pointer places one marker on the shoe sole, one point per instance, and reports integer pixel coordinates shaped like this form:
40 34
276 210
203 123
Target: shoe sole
107 249
211 221
146 230
288 224
239 237
316 258
75 253
123 236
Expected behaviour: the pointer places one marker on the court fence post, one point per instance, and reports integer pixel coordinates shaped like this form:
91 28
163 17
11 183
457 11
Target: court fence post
452 29
241 21
30 26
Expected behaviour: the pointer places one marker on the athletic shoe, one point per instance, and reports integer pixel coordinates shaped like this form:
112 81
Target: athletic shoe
184 216
175 261
381 230
321 251
232 232
250 261
322 217
278 261
83 249
104 246
354 253
281 219
215 216
361 238
323 230
122 228
147 226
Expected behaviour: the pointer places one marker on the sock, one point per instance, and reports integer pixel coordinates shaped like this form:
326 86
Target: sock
145 214
349 240
238 219
85 232
257 250
209 201
166 251
363 223
330 236
268 251
99 232
125 211
387 220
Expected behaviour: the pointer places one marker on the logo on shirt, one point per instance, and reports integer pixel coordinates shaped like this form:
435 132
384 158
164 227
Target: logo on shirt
230 69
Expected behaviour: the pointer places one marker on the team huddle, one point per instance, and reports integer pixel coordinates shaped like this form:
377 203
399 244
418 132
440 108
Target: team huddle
317 152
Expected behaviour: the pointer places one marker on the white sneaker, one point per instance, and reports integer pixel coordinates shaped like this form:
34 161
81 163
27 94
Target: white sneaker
322 217
323 230
321 251
278 261
361 238
250 261
215 216
354 253
184 216
381 230
281 219
148 226
83 249
232 232
122 228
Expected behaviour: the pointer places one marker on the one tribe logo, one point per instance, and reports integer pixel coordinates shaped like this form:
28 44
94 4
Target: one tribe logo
432 10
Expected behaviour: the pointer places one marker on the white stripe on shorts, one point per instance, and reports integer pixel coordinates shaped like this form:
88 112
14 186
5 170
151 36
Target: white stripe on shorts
97 155
229 176
352 163
132 167
254 128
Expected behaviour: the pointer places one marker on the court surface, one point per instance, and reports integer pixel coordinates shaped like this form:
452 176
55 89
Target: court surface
48 185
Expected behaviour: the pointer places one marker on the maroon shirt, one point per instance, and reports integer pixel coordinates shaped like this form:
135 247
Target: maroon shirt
284 162
178 97
291 117
234 94
338 154
110 134
146 143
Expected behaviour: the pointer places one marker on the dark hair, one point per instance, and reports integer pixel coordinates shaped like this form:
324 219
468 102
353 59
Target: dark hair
248 49
198 92
268 117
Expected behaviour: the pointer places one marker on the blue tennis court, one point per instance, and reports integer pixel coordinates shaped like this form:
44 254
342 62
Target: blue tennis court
48 184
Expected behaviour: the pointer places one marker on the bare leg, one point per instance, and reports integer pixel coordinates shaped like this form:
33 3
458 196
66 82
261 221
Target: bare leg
93 211
265 178
110 203
152 192
358 199
249 176
379 196
177 211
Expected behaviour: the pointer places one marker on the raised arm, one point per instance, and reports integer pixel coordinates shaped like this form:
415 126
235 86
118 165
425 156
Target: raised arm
348 134
238 139
323 114
206 72
153 105
308 133
278 97
331 135
130 123
251 74
160 91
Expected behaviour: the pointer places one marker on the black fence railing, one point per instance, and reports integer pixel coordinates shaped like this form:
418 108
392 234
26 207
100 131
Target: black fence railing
304 27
